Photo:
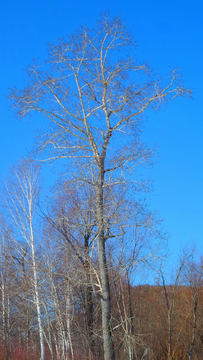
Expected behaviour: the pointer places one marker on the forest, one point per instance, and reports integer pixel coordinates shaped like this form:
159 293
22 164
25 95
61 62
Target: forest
147 322
72 259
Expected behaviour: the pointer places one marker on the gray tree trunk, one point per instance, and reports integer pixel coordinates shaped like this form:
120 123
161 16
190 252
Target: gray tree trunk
105 299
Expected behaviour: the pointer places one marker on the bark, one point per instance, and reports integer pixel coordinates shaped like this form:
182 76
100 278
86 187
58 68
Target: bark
105 298
4 318
131 348
50 344
88 297
21 262
68 316
196 299
37 296
5 302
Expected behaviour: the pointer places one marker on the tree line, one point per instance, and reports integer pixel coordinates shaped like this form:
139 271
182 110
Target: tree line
72 258
49 298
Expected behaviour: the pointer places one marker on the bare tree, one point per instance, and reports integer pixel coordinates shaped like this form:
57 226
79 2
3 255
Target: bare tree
20 197
21 260
170 296
5 285
193 276
58 300
73 214
94 92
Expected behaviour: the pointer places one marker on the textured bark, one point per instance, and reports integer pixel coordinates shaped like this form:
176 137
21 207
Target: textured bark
105 298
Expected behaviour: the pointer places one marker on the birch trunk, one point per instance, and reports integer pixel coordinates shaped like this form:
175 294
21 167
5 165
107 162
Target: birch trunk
5 302
38 304
20 199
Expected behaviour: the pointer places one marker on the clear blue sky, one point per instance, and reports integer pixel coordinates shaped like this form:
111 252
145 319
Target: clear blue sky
169 34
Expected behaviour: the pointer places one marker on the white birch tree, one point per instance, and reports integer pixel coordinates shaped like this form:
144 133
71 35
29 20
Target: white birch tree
5 288
20 197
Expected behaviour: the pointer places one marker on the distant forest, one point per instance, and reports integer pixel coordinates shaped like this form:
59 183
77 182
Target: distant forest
148 322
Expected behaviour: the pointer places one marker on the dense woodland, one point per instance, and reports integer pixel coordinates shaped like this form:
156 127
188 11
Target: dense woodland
68 261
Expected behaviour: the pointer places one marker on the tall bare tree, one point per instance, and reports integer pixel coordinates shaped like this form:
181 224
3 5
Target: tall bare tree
20 197
94 93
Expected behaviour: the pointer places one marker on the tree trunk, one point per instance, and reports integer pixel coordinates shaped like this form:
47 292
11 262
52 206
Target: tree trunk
88 298
36 292
190 354
131 347
105 298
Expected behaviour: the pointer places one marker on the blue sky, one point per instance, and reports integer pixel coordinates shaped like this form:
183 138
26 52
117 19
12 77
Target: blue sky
169 35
